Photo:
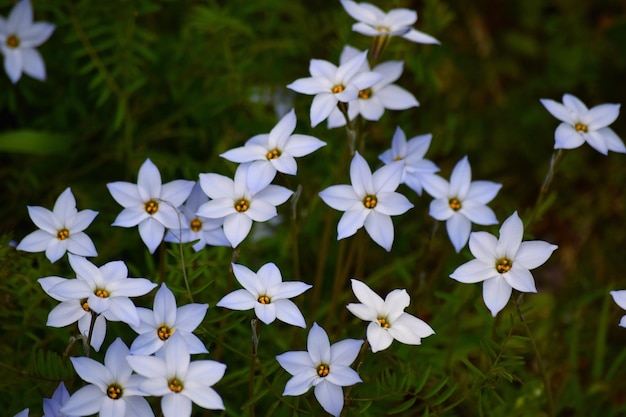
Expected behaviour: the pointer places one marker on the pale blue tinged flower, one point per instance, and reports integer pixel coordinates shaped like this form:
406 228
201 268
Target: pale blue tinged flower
503 263
52 406
370 201
233 201
580 125
150 204
171 375
323 366
411 153
387 317
620 299
60 230
23 413
113 390
19 37
461 202
331 84
158 325
266 293
273 152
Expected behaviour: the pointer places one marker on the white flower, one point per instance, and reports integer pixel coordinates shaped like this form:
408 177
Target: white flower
206 231
269 153
412 154
372 102
23 413
61 230
461 202
331 84
369 201
582 125
52 406
503 263
233 201
620 299
18 38
387 317
325 367
156 326
112 390
266 292
149 204
179 382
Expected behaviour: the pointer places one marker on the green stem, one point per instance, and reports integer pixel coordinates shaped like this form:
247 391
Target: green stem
87 344
557 156
253 359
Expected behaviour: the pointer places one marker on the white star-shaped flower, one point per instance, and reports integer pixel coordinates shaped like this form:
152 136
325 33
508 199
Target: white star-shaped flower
387 317
61 230
370 201
581 125
233 201
19 37
266 293
150 204
461 202
323 366
620 299
273 152
412 154
331 84
503 263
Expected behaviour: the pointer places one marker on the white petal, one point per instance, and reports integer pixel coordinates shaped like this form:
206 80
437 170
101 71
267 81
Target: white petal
260 174
321 107
596 141
288 312
330 397
358 12
613 142
574 104
496 293
125 193
483 246
533 253
436 186
396 98
36 241
56 249
318 345
620 298
311 86
204 396
265 312
483 191
151 232
217 186
378 337
176 192
387 178
174 405
440 209
343 375
345 351
478 213
460 179
33 64
238 300
351 221
511 233
366 296
236 228
340 197
296 362
520 278
318 68
459 228
85 402
301 145
474 271
392 203
380 228
300 383
566 137
149 181
13 65
559 111
36 34
602 116
81 244
189 316
415 35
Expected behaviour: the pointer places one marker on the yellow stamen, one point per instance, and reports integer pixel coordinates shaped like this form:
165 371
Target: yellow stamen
164 332
580 127
175 385
370 201
151 207
382 28
365 94
13 41
273 154
85 305
338 88
195 225
503 265
323 370
242 205
63 234
101 293
383 322
455 204
114 391
264 299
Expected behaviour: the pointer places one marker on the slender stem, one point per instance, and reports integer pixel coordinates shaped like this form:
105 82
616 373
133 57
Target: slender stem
87 343
253 359
359 362
295 250
557 156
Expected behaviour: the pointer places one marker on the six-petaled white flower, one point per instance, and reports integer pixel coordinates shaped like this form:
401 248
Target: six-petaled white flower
61 230
266 293
323 366
171 375
150 204
620 299
331 84
461 202
387 317
19 37
157 325
370 201
52 406
273 152
412 153
503 263
581 125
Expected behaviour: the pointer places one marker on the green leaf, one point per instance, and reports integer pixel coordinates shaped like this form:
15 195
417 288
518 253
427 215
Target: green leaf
34 142
402 407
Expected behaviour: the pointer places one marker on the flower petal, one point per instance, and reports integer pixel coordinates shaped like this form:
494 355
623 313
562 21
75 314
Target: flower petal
496 293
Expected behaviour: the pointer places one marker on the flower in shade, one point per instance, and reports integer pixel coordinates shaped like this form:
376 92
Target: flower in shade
370 201
503 263
52 406
620 299
23 413
323 366
150 204
60 230
387 317
112 390
273 152
412 153
580 125
178 381
157 325
461 202
331 84
266 293
19 37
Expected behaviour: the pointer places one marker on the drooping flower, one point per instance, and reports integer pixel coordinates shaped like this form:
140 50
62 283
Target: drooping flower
370 201
461 202
52 406
372 102
331 85
412 154
60 230
580 125
149 204
234 202
273 152
266 293
171 375
503 263
112 390
157 325
620 299
19 37
323 366
387 317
